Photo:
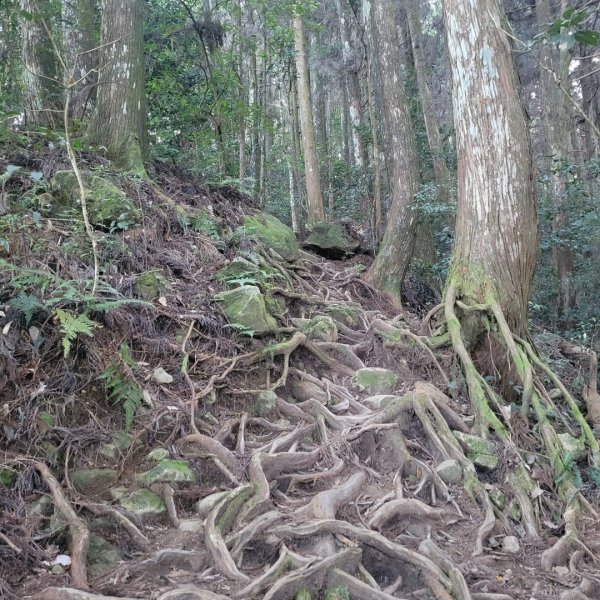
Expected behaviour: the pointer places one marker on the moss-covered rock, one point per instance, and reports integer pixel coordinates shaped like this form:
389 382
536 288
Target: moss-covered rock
481 452
238 268
245 307
143 503
102 556
108 206
331 240
347 315
375 380
93 482
167 471
574 447
321 327
158 454
7 477
272 233
149 286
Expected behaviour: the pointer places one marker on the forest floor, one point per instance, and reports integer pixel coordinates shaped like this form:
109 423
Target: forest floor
276 466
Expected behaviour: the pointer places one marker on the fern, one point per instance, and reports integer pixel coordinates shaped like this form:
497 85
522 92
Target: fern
72 325
27 305
121 385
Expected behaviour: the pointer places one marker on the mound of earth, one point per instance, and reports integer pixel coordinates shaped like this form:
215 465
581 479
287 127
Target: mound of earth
226 420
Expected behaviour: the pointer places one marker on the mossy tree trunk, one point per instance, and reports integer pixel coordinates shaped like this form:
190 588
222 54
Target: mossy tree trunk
316 212
395 253
119 122
42 93
496 229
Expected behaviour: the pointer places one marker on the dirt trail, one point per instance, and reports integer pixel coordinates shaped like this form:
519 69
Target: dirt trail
334 459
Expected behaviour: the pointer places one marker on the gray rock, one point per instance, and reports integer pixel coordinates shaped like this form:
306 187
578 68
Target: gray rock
102 556
245 307
265 403
93 482
510 544
375 380
168 559
143 503
449 471
158 454
167 471
193 525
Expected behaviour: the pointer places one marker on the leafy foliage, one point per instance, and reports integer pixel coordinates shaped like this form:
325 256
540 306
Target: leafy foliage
121 385
73 325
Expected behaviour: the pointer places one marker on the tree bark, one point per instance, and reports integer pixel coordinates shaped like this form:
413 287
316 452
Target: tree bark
434 138
557 120
119 122
41 77
352 67
316 211
395 253
80 41
496 230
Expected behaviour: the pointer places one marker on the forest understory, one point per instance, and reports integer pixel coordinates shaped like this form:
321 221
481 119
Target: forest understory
354 450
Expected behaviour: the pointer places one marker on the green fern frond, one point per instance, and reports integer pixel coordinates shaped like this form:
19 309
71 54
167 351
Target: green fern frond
73 325
27 305
121 386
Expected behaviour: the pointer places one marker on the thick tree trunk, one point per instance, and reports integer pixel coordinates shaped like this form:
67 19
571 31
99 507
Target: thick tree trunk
316 211
496 229
41 77
80 40
557 120
434 138
395 253
119 122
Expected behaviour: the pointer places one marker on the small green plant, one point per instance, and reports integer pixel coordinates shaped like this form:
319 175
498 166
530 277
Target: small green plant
570 470
121 385
72 325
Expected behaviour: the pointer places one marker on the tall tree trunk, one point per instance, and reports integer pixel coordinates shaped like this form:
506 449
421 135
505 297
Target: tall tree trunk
316 211
395 253
555 60
496 231
434 138
119 122
80 41
352 66
242 97
41 77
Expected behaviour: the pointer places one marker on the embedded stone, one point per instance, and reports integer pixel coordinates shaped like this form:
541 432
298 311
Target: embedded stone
238 268
158 454
166 560
379 401
193 525
93 482
497 497
343 313
375 380
161 376
272 233
481 452
168 471
575 447
321 327
510 544
245 307
331 240
206 504
102 556
143 502
265 403
449 471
